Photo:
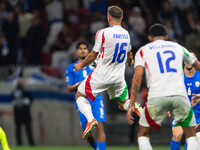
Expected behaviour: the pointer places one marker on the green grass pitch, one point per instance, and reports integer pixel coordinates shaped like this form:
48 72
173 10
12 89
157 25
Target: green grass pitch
86 148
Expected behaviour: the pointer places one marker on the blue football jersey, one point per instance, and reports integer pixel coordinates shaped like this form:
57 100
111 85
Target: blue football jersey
73 77
192 85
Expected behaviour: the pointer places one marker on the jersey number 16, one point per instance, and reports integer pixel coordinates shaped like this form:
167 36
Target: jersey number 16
122 53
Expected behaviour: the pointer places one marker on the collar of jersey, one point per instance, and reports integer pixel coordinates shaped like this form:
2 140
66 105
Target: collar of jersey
113 26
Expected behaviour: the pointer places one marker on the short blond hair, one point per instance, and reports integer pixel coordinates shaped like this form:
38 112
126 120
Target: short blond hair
115 12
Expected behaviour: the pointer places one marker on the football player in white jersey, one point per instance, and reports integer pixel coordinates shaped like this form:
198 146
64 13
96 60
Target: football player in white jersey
162 61
115 47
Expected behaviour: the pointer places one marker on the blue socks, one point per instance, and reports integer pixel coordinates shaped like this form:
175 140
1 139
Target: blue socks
185 145
175 145
102 146
94 144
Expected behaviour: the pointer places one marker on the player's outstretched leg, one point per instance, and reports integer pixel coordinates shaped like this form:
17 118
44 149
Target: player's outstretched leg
3 140
85 108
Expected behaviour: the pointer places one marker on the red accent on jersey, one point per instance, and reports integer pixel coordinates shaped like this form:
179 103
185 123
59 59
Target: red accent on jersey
103 38
103 48
151 122
141 54
148 68
88 89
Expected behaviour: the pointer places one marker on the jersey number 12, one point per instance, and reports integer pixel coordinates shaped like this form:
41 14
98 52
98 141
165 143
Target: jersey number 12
167 62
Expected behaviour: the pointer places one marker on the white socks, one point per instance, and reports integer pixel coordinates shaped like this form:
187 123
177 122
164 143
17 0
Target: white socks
126 105
144 143
192 143
85 108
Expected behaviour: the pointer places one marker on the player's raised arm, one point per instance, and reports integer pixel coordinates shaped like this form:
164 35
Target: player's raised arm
88 60
130 61
135 87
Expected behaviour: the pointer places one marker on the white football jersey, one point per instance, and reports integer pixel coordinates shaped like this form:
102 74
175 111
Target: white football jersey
163 63
113 43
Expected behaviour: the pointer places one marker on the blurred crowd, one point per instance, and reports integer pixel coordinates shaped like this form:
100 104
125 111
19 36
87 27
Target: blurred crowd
32 30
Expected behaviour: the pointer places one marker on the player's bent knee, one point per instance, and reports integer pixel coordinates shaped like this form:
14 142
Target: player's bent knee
177 137
177 133
144 131
78 94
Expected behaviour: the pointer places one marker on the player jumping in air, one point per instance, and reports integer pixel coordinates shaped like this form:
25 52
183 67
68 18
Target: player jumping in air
74 79
162 61
114 44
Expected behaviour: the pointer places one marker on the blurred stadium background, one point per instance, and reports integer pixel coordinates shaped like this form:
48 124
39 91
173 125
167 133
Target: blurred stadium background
38 38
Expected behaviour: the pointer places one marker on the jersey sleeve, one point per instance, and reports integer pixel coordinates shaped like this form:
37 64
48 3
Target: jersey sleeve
188 57
139 61
129 47
98 41
69 75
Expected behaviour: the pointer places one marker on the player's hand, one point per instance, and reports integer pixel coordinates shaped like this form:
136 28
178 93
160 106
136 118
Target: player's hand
129 116
195 99
78 67
130 64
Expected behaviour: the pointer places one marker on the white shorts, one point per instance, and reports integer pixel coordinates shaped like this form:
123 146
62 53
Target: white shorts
93 85
156 109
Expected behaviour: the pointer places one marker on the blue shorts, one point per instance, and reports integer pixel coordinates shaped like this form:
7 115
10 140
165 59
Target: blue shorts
98 111
197 119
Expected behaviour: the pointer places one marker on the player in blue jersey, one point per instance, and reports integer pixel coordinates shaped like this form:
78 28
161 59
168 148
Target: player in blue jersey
73 80
192 84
